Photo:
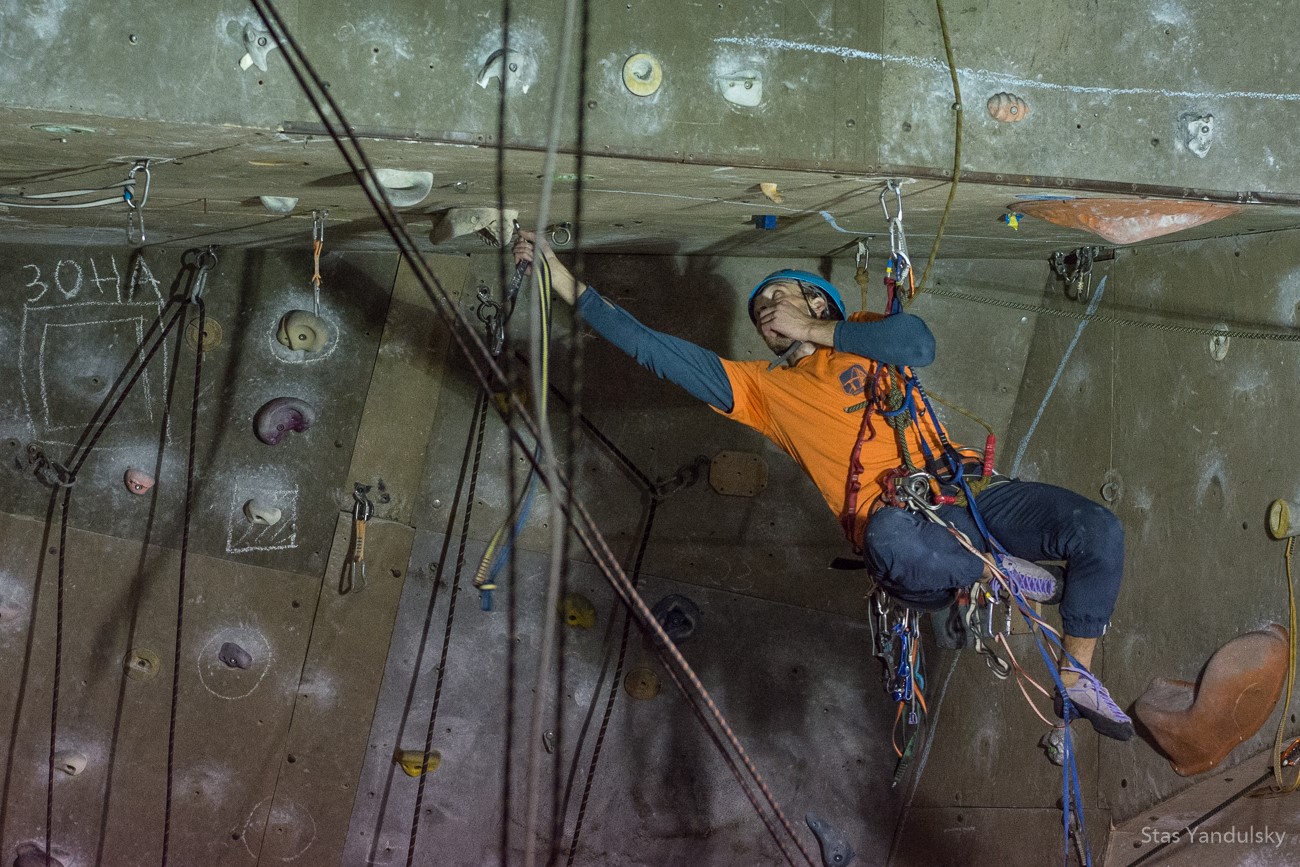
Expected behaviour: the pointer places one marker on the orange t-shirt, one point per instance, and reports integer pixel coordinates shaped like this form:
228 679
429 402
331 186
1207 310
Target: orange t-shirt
813 412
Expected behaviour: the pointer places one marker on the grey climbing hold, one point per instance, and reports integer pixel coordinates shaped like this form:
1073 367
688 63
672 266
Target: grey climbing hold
678 615
70 762
836 850
235 656
31 855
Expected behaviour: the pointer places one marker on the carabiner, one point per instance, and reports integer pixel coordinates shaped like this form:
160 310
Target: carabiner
207 261
318 219
897 189
135 234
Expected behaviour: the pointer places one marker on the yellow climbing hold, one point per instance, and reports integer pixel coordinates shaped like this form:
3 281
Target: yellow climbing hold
578 611
415 762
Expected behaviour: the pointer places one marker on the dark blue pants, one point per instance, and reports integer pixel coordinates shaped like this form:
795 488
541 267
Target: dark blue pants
921 563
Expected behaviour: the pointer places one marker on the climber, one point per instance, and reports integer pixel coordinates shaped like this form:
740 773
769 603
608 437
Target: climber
818 408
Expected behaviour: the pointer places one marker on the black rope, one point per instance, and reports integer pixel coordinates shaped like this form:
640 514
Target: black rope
489 374
141 363
180 589
614 684
480 422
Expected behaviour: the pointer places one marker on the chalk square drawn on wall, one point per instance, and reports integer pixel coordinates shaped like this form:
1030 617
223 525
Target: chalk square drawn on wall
70 356
243 536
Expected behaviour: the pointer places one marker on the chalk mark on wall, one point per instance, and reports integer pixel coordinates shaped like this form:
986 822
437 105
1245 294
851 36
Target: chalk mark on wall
997 79
109 331
230 683
244 537
287 813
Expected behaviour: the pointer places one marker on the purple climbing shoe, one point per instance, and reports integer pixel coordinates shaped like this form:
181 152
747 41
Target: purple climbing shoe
1028 579
1092 702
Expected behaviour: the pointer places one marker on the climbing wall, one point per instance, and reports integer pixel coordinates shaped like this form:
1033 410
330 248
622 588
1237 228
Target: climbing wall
265 549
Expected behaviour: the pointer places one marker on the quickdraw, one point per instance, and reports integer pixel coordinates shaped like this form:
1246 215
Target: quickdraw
896 642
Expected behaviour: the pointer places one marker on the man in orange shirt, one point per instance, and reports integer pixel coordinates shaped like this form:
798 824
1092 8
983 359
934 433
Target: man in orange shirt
811 404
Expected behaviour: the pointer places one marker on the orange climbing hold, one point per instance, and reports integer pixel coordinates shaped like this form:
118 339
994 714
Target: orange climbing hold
1127 220
1198 724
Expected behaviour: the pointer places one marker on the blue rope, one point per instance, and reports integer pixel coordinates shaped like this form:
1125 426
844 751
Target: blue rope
1071 793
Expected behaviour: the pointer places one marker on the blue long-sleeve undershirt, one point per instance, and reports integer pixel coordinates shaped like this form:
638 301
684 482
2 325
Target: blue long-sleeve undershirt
902 340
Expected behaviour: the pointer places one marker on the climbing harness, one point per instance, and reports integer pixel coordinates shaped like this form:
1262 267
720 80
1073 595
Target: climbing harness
318 219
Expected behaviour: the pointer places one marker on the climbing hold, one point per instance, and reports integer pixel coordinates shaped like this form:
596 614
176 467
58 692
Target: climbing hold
278 417
31 855
1200 134
138 481
417 762
258 43
210 338
772 193
494 226
261 513
1129 220
509 68
142 664
578 611
642 74
70 762
641 683
234 656
678 615
279 204
765 221
1280 524
1112 486
743 88
1007 107
1012 219
302 329
1219 343
836 850
404 189
738 474
1198 724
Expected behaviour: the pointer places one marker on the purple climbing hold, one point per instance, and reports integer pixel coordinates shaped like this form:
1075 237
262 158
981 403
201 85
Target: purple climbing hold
31 855
278 417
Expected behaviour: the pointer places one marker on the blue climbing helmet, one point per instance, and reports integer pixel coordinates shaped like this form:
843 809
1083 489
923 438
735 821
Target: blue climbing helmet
834 303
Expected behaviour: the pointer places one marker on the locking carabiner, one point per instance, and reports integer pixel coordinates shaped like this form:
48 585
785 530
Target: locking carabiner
135 216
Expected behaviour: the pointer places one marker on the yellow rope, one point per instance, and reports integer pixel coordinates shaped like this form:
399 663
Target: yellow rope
544 279
1279 785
